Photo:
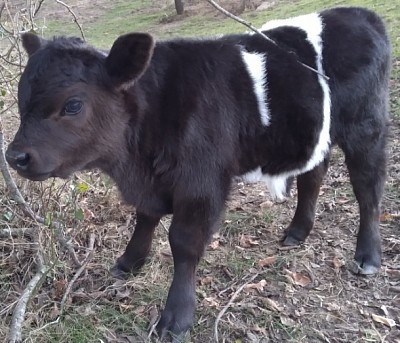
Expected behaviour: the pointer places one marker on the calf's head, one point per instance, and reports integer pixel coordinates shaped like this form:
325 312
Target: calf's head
71 103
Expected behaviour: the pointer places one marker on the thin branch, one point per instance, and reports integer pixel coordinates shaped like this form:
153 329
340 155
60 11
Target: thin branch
38 8
75 18
79 272
241 21
61 239
232 299
18 198
10 183
23 301
17 232
260 33
2 7
71 283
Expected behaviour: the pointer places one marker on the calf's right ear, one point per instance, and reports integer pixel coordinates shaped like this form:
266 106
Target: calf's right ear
129 57
31 42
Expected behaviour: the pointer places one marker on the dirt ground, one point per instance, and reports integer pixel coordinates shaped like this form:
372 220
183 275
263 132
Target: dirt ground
302 294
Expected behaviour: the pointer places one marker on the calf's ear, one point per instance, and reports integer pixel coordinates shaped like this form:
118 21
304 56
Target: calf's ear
31 42
129 57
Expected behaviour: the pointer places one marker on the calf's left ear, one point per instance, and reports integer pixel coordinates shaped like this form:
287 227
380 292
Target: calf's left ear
31 42
129 57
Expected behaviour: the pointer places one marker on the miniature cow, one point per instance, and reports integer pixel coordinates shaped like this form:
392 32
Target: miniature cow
174 122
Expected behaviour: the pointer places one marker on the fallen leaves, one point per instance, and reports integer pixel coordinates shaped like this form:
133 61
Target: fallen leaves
387 216
259 286
297 278
272 305
266 262
337 263
246 241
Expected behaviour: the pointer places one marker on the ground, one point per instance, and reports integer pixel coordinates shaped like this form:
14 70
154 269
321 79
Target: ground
303 294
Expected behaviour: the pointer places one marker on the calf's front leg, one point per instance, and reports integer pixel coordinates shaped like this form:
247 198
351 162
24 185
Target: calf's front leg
192 226
138 247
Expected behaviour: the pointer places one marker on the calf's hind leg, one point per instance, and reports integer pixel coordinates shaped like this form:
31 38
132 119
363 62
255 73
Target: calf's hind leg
366 163
138 247
308 186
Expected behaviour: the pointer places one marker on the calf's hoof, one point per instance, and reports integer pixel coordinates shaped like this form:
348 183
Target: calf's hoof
296 234
119 273
367 264
174 324
290 241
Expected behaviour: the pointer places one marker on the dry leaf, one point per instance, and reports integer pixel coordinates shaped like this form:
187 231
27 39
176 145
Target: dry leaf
153 316
55 312
214 245
298 278
246 241
383 320
211 302
337 263
266 261
332 307
272 305
395 273
207 280
88 214
287 321
259 286
266 204
387 217
59 288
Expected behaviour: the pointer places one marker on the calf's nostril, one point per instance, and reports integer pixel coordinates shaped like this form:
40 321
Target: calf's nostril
22 160
18 160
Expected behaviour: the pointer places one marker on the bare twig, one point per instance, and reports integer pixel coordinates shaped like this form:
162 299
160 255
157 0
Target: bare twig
61 239
12 187
20 308
18 198
71 283
78 272
260 33
241 21
17 232
2 7
232 299
38 7
75 18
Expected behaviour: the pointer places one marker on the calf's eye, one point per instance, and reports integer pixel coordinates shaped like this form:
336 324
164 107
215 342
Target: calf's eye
73 107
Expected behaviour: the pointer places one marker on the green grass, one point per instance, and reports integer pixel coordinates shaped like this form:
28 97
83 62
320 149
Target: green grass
127 16
74 329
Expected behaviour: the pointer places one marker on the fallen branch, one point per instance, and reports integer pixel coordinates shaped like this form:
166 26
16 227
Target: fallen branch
260 33
23 301
230 302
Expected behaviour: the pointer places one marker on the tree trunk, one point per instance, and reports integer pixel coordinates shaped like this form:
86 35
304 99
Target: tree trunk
179 6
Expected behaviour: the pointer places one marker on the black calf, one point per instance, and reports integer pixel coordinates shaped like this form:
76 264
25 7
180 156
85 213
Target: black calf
174 122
